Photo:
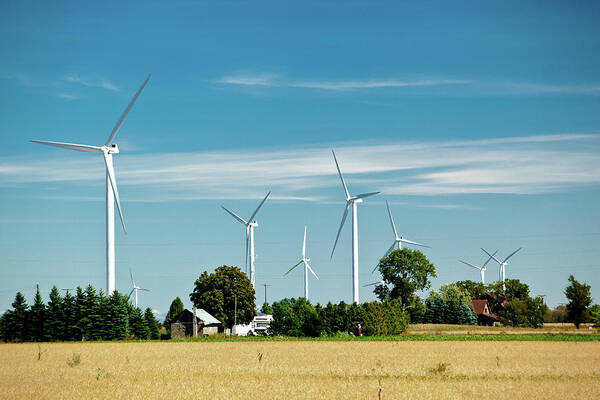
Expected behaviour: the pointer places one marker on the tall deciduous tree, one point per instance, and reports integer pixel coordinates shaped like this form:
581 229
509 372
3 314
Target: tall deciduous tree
216 294
580 299
406 271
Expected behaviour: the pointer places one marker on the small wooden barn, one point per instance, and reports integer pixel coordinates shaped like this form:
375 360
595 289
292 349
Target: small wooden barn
203 324
484 314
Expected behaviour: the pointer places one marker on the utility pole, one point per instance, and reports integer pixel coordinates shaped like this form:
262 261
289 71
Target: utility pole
265 285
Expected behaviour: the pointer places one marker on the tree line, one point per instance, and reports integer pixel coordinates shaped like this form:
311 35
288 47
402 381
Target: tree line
88 315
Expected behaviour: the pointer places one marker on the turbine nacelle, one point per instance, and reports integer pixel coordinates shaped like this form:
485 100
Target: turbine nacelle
111 149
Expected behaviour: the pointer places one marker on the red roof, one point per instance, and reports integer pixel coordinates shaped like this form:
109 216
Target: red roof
481 306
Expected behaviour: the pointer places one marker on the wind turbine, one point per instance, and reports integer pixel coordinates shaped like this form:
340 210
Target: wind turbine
304 260
481 269
502 264
135 288
250 225
398 239
351 201
112 194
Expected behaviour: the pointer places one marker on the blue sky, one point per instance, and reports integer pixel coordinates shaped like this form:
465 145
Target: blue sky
479 123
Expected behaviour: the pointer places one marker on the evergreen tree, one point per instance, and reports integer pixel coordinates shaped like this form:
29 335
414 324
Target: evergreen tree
54 323
81 316
118 322
36 318
68 310
175 309
137 325
152 324
16 320
436 308
93 311
466 316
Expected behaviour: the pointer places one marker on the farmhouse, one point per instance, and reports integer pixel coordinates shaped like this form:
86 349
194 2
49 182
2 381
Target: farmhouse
484 315
186 325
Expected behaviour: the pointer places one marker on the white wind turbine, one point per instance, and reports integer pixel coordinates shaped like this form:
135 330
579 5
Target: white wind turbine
351 201
112 194
304 260
481 269
502 264
250 225
398 240
135 288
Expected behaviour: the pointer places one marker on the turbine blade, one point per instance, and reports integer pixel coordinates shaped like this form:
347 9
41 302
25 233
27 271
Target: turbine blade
234 215
131 275
387 253
470 265
70 146
489 259
311 270
372 284
340 229
495 259
363 195
145 290
341 177
130 293
258 208
290 270
247 247
391 219
304 244
415 243
512 254
124 115
111 175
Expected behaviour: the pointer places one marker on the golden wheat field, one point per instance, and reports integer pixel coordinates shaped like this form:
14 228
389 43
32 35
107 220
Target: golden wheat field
282 370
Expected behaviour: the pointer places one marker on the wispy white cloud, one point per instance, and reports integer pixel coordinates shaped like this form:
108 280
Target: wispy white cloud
102 83
519 165
461 86
277 81
68 96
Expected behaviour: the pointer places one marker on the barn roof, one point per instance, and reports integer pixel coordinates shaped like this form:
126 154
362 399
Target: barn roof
206 317
202 316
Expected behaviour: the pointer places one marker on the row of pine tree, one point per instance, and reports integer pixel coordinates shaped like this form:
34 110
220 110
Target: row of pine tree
88 315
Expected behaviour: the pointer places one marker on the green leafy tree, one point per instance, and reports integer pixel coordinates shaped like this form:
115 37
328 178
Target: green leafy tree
137 324
580 299
416 310
285 320
216 294
266 309
175 309
55 318
476 290
406 271
152 324
37 315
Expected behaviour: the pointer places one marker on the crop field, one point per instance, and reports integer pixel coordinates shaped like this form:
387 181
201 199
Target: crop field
301 369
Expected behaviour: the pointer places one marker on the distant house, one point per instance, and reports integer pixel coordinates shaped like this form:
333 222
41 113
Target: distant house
183 324
258 326
484 314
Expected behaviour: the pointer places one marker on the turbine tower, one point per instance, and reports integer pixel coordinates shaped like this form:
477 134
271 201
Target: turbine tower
304 260
135 288
112 194
351 201
481 269
502 264
250 225
398 240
